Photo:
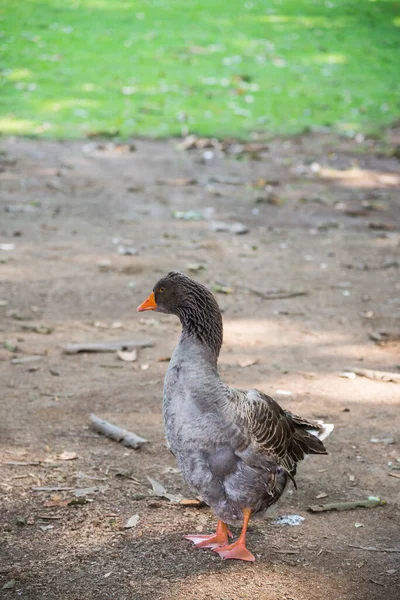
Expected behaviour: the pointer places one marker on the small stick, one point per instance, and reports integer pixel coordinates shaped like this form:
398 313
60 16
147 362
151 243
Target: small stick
116 433
374 549
346 505
394 475
55 394
377 582
276 295
377 375
105 347
16 463
52 489
26 359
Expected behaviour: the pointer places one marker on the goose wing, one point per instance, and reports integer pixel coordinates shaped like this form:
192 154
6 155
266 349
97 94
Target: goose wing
267 431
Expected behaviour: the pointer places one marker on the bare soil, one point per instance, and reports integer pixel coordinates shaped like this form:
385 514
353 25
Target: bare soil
329 228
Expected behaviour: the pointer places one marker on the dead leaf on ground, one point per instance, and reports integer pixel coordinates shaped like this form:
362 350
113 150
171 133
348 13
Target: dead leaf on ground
46 527
132 522
9 585
249 362
192 502
68 455
160 491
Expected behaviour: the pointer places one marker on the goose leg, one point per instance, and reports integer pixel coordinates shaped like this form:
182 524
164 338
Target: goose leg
238 549
220 538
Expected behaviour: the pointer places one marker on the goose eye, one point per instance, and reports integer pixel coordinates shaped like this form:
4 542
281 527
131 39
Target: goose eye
162 289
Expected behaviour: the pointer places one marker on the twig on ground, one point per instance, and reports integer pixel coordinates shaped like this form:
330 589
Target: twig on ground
376 375
52 489
105 346
16 463
25 359
347 505
278 295
114 432
373 548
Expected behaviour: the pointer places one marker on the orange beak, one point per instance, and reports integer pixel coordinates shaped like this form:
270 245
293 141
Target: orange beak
148 304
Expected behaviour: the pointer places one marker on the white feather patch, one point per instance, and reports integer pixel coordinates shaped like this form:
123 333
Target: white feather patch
323 433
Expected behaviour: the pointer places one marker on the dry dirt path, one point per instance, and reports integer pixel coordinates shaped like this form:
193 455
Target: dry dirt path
327 226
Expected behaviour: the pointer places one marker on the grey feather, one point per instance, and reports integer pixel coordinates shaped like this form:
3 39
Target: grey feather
236 449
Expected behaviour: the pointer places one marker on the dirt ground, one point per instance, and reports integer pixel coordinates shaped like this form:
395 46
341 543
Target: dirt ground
328 227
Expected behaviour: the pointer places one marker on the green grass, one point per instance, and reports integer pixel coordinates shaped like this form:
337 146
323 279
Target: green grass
166 67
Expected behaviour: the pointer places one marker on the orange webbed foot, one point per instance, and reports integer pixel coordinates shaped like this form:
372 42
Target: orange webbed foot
237 551
220 538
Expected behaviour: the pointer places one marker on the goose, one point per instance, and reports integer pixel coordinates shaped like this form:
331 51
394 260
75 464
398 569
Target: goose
236 449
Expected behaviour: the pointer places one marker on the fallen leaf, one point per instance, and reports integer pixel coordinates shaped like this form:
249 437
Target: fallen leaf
68 456
132 522
249 362
158 488
160 491
10 585
46 527
192 502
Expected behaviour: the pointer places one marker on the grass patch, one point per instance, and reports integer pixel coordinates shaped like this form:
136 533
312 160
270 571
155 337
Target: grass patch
70 68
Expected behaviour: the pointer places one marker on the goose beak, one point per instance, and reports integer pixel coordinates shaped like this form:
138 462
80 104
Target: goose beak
148 304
